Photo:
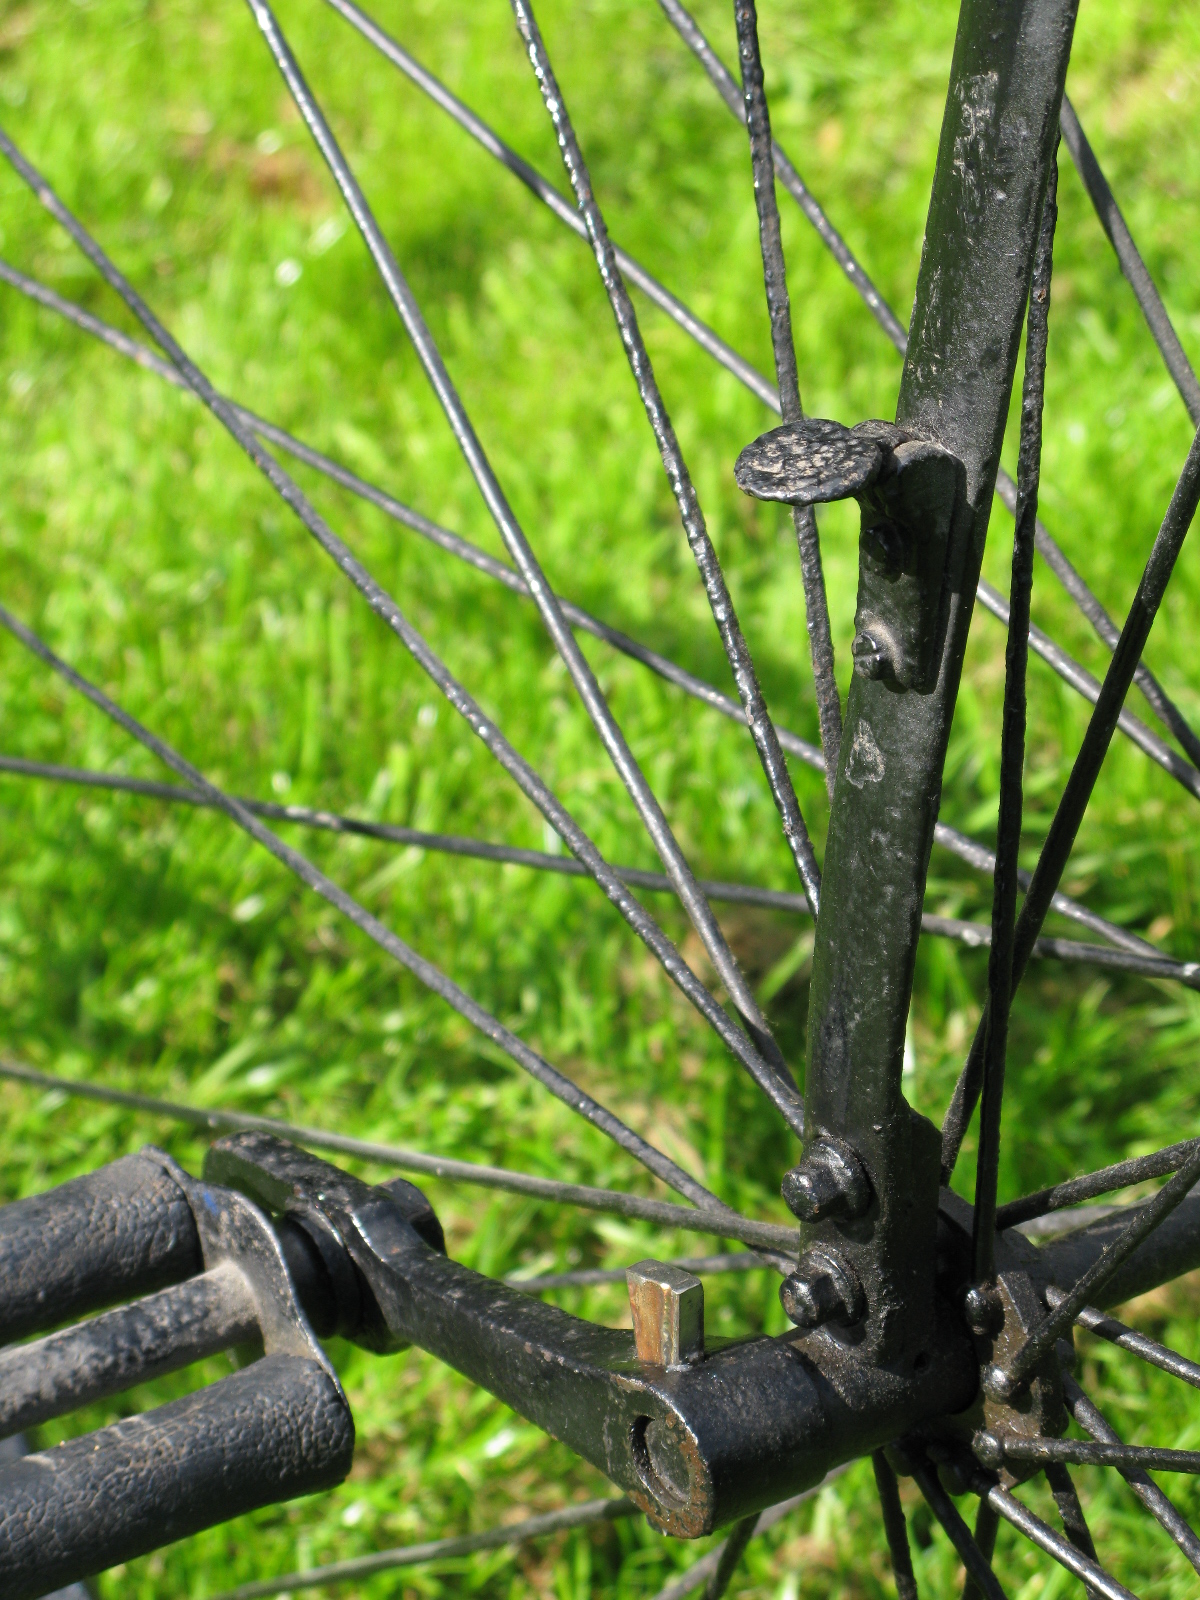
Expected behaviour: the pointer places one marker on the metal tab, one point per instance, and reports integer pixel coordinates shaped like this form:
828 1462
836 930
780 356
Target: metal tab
668 1314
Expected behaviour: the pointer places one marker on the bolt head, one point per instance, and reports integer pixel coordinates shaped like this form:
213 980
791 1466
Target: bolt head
822 1289
997 1384
982 1310
828 1182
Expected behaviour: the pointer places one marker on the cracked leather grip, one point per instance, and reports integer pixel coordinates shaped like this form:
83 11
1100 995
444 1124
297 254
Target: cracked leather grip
121 1231
277 1429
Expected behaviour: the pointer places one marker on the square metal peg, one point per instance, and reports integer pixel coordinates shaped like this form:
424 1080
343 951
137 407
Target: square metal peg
668 1313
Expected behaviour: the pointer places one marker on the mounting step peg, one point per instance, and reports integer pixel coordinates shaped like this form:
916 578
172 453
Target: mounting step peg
668 1314
909 492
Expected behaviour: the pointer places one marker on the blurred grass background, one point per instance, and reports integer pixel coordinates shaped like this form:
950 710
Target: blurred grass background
159 950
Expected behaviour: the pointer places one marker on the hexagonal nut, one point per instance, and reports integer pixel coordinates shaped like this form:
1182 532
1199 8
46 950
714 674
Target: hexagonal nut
829 1181
822 1289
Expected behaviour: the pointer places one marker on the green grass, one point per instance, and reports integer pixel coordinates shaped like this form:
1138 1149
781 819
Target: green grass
160 950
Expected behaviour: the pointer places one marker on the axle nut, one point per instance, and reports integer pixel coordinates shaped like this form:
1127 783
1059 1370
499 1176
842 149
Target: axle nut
822 1289
829 1182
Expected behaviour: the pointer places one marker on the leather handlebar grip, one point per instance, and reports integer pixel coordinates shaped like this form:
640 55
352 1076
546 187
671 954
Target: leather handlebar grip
277 1429
123 1230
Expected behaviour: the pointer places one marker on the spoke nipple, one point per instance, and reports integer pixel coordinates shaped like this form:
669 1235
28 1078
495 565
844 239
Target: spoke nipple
668 1314
829 1182
822 1289
989 1450
997 1384
982 1310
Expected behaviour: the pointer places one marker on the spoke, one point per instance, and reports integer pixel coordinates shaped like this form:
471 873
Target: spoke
1084 684
1092 1421
551 197
894 1526
762 730
773 1077
769 1078
1077 1453
1138 1344
1038 1533
1142 1224
723 81
701 1571
1071 1513
732 1551
1131 261
1012 747
976 935
987 1525
968 850
415 1555
1157 698
1122 1175
767 1235
425 971
1065 824
598 1277
978 1566
758 122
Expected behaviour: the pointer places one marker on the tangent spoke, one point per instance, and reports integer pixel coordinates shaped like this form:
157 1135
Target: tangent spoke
978 1565
1138 1344
758 122
703 1570
737 651
425 971
976 935
1038 1533
767 1235
1078 791
968 850
895 1526
1092 1421
1122 1175
1071 1513
415 1555
1140 1227
1082 681
774 1078
1129 256
1012 746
